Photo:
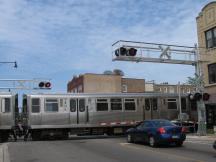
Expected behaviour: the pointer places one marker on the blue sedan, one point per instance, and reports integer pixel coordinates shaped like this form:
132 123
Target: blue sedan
157 132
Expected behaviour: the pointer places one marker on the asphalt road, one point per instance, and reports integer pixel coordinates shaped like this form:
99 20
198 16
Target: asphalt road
103 149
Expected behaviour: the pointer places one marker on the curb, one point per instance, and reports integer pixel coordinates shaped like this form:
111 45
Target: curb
4 154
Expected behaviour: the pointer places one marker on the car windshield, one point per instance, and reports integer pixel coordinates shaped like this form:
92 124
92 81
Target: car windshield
160 123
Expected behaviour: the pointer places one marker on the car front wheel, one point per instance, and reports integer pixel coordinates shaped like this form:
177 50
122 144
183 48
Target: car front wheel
129 138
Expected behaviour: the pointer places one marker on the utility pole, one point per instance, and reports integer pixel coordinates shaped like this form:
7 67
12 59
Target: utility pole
200 89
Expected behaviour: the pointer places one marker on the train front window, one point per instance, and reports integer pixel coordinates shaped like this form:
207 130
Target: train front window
7 105
102 105
72 105
35 105
130 105
116 104
51 105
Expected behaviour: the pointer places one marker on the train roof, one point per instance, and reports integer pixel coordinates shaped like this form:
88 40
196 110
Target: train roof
146 94
7 94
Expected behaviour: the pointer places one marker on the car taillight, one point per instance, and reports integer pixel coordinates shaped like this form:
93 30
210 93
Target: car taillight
183 130
161 130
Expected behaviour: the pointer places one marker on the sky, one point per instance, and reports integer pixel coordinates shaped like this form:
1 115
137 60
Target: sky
58 39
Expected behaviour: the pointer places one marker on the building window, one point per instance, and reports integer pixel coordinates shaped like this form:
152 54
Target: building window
35 105
51 105
102 105
124 88
116 104
172 104
130 105
211 38
212 73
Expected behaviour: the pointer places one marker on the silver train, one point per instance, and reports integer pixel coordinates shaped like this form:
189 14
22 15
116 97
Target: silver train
63 114
8 111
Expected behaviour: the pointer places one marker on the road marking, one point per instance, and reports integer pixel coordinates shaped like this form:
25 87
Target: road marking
134 146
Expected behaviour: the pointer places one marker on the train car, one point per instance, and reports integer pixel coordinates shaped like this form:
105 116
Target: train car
8 111
60 114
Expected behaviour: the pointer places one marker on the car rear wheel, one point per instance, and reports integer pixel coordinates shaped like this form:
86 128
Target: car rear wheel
130 138
152 142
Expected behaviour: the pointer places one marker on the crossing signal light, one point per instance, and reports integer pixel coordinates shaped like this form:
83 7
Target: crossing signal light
206 96
199 96
122 51
44 85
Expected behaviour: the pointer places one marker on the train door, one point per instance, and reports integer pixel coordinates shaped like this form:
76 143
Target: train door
81 111
151 107
6 111
78 111
34 111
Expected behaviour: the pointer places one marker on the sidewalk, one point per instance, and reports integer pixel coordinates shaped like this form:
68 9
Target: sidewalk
207 137
4 155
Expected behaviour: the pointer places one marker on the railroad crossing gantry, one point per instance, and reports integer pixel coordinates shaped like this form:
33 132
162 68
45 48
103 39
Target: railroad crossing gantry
164 53
26 84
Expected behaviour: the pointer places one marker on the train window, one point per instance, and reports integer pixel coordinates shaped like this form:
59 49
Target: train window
102 105
51 105
172 104
130 104
116 103
72 105
82 105
35 105
7 105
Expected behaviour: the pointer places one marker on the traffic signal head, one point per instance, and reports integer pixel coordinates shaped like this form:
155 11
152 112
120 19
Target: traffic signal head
206 96
122 51
199 96
132 52
44 85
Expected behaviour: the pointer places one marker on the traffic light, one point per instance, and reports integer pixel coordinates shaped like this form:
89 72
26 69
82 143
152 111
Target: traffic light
206 96
44 85
122 51
198 96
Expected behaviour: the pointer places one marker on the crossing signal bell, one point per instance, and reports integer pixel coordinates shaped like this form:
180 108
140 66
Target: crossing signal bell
44 85
122 51
199 96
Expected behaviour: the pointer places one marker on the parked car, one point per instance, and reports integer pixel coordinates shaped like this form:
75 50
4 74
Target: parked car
190 126
214 145
156 132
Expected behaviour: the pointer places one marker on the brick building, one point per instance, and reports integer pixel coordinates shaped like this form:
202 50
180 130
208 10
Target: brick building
104 83
206 30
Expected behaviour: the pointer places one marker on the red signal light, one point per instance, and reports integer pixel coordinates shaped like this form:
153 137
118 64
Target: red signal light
206 96
44 85
47 84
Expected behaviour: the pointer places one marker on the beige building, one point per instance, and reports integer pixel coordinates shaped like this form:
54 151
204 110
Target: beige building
105 83
173 88
206 29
